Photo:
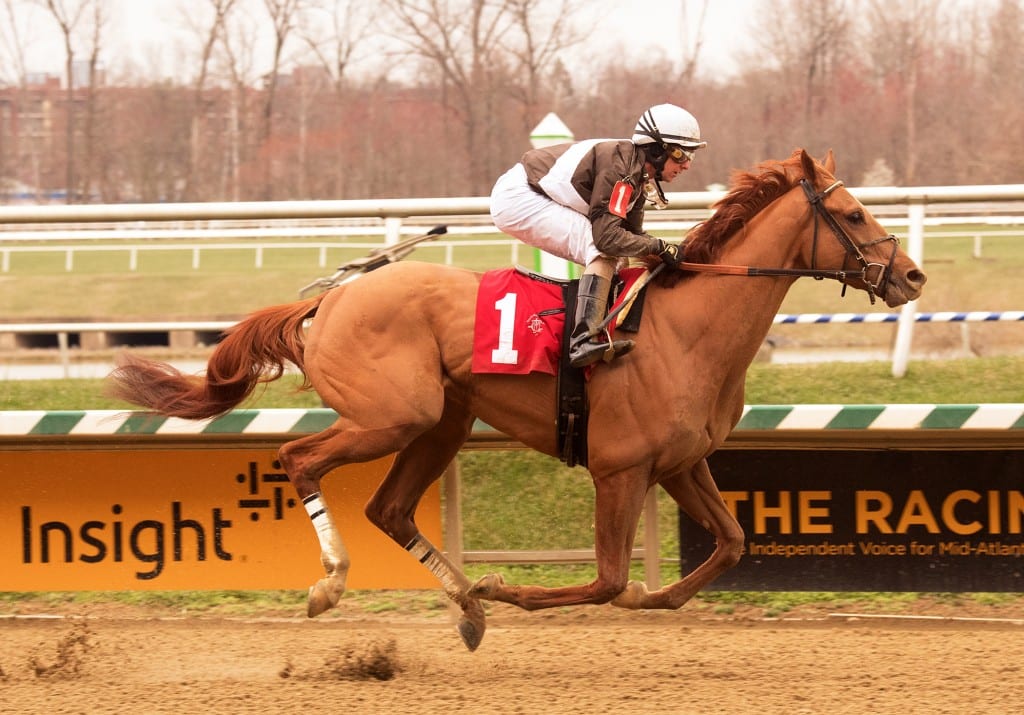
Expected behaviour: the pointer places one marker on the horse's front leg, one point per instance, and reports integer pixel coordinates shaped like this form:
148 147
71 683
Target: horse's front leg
697 494
619 500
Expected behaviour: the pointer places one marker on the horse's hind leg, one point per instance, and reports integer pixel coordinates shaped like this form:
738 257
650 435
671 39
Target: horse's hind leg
306 460
697 494
393 508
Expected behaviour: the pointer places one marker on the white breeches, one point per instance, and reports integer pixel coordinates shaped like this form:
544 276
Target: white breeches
534 219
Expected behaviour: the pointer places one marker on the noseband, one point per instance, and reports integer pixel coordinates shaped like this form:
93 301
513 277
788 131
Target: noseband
853 250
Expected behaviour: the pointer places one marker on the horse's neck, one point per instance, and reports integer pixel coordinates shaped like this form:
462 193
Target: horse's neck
749 304
738 311
771 238
719 322
707 330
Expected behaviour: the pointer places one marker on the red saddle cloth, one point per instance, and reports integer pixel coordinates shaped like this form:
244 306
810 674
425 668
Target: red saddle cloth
519 323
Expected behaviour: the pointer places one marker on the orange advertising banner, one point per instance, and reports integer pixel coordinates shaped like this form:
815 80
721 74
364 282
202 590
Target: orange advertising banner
183 519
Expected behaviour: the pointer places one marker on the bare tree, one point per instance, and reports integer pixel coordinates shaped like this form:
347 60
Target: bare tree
12 69
899 38
98 19
1004 91
335 31
446 113
545 29
284 16
67 16
209 34
14 37
693 41
460 40
809 40
238 42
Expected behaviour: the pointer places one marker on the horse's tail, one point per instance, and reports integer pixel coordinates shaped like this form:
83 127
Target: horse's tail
253 351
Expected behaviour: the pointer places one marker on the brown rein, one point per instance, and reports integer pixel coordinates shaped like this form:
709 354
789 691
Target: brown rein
851 248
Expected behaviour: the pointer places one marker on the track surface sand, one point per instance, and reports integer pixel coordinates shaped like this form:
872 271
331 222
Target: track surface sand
122 659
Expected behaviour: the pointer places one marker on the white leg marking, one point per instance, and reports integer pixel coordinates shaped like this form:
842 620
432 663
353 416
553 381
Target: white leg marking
435 563
334 555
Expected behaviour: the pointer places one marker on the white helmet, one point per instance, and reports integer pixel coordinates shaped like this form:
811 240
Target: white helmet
671 127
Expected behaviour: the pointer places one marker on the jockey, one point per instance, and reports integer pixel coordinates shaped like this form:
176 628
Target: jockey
581 202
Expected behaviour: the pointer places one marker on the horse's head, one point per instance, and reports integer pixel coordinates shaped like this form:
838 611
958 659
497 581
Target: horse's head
844 237
829 233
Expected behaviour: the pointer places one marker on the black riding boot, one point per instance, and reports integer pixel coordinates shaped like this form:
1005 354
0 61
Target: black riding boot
587 344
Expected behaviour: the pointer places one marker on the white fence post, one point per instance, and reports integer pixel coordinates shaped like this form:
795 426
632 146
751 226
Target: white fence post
392 230
62 347
451 481
905 331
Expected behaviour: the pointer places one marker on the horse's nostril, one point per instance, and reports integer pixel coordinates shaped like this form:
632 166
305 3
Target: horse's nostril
917 277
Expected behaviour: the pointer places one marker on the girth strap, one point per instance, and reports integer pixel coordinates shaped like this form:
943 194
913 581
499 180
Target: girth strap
571 391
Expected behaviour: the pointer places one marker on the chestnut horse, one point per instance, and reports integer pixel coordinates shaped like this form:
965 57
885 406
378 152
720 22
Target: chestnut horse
391 353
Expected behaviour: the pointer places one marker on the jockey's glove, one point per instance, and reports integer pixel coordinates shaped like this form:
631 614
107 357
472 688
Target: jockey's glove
670 253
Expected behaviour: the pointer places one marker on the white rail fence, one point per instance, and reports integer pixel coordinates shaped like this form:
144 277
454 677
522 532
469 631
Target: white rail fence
260 248
398 216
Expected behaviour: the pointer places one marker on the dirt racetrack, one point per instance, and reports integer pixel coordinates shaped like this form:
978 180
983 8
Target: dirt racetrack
124 659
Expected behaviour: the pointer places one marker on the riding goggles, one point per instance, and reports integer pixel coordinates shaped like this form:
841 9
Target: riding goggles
678 154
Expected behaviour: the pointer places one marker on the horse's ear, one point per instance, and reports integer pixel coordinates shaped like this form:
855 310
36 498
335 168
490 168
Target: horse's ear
830 163
810 171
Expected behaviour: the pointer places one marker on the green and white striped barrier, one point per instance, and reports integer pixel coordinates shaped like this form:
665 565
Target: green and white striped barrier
91 423
993 416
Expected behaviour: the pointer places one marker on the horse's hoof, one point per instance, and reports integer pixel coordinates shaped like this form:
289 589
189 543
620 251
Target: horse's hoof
487 586
323 596
632 596
471 631
472 624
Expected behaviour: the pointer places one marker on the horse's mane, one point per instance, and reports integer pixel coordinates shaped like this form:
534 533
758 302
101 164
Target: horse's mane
749 192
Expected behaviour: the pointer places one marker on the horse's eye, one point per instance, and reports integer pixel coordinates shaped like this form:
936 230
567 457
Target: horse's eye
856 217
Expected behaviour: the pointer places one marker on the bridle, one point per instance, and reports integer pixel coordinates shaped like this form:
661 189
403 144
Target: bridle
852 249
879 271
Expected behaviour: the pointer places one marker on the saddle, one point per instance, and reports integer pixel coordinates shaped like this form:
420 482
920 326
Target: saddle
557 300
